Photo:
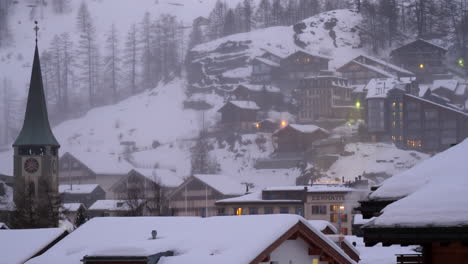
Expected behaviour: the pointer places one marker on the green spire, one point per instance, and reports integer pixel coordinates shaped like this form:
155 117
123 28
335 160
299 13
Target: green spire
36 129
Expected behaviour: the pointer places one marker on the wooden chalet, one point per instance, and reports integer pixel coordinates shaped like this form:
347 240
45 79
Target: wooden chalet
197 195
454 90
92 168
425 124
440 227
421 57
86 194
301 64
239 115
363 68
298 138
244 240
265 96
263 70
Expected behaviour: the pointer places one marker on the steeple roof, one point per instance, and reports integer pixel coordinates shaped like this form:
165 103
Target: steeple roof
36 129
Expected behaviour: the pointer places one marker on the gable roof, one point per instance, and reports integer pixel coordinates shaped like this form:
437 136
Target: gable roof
101 162
419 40
442 178
369 67
73 207
111 205
19 245
259 87
305 129
165 177
386 64
267 62
310 53
222 183
246 105
379 87
193 240
78 188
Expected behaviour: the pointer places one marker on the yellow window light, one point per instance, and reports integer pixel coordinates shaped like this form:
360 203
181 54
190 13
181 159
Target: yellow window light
341 207
284 123
358 105
461 62
257 125
239 211
421 66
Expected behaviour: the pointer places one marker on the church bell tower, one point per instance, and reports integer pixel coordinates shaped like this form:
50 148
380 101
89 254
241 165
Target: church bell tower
36 157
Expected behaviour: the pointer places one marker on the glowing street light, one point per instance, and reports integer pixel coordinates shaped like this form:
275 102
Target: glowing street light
421 66
358 105
283 123
257 125
461 63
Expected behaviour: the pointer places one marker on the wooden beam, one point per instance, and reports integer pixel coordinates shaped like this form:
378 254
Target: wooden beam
315 252
266 259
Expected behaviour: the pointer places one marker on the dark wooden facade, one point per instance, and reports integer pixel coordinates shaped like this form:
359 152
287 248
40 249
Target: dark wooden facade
267 126
421 57
422 124
237 117
290 139
265 96
302 64
324 97
86 198
263 70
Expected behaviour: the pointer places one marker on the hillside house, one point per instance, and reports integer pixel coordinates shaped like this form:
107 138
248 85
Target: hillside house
439 228
377 114
454 90
423 124
85 194
239 115
324 202
243 240
263 70
99 168
197 195
301 64
324 97
298 138
421 57
360 70
265 96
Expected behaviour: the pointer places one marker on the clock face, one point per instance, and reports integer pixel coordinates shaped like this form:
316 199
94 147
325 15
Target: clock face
31 165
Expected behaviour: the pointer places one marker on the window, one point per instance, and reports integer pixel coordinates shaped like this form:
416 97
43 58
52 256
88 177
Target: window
238 211
253 210
268 210
300 211
284 210
344 231
319 209
221 211
334 217
334 208
203 212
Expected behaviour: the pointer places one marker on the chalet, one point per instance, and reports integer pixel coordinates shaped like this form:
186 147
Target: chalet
70 210
196 196
20 245
421 57
239 115
322 202
86 194
99 168
440 227
130 207
231 240
362 69
152 185
263 70
454 90
324 97
265 96
378 107
298 138
301 64
424 124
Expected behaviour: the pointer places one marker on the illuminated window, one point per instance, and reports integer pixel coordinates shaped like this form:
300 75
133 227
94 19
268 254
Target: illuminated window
315 261
239 211
421 66
393 138
336 208
393 105
393 124
401 137
283 123
257 125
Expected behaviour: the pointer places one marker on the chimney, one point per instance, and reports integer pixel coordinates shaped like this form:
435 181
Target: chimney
154 233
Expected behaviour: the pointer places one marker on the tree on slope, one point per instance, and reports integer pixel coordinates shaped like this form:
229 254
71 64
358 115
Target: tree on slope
131 54
112 61
216 17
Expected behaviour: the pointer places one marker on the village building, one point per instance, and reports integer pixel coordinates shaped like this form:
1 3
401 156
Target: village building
360 70
131 207
302 64
423 123
378 107
268 125
324 226
239 115
439 227
324 202
99 168
86 194
197 195
455 91
265 96
230 240
20 245
263 70
297 138
325 97
421 57
71 210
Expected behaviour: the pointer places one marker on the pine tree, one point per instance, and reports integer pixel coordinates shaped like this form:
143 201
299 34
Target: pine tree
196 36
277 13
81 217
112 61
263 15
248 8
229 23
131 54
216 17
66 47
60 6
146 55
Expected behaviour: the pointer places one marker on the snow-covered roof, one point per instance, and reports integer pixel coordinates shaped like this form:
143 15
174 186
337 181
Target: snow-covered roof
359 220
277 52
222 183
19 245
422 40
165 177
442 179
450 107
342 239
110 205
306 129
450 84
314 188
310 53
102 162
255 197
72 207
77 188
267 62
373 68
378 253
249 105
260 87
379 87
223 239
322 224
387 64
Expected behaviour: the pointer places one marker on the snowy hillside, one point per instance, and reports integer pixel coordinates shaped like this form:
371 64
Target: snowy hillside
227 60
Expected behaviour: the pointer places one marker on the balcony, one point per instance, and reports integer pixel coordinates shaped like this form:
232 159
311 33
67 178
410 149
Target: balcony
410 259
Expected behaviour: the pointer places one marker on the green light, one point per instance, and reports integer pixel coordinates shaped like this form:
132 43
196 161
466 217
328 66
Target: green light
461 62
358 105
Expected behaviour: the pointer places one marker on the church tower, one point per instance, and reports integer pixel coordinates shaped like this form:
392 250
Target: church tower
36 160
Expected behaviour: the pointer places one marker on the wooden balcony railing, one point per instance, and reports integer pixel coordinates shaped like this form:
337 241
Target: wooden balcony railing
409 259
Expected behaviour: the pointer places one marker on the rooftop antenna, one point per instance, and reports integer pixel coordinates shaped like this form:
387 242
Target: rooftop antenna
36 28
